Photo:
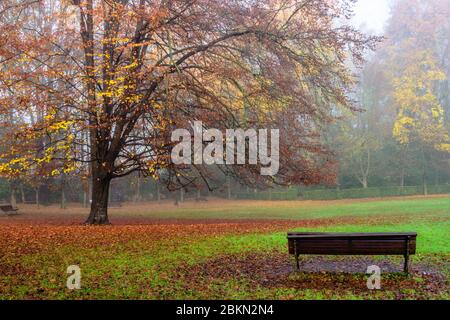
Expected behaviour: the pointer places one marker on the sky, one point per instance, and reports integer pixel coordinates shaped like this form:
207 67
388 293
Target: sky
372 13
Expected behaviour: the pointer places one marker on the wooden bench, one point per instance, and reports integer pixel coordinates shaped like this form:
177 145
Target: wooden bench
322 243
8 209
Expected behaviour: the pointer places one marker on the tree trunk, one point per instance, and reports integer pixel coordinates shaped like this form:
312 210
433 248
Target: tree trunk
364 182
99 146
424 173
13 197
89 193
63 199
138 196
175 196
37 196
228 188
158 193
181 195
402 179
99 205
425 186
85 199
22 193
63 194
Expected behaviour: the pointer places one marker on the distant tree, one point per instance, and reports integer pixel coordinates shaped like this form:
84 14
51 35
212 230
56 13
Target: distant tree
415 61
420 117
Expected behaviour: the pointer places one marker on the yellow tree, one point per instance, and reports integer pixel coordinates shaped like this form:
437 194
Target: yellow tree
420 116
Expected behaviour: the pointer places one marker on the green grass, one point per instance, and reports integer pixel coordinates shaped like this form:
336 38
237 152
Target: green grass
131 270
422 207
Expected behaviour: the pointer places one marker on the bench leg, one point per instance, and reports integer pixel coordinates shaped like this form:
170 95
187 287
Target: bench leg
406 265
296 255
406 255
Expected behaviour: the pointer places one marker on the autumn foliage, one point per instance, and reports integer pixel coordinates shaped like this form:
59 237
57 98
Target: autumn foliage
96 86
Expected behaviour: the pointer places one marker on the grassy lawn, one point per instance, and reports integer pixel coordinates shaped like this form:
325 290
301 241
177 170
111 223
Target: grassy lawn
243 255
422 206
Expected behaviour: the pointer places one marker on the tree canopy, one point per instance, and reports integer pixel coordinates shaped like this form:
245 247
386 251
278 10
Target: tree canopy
98 85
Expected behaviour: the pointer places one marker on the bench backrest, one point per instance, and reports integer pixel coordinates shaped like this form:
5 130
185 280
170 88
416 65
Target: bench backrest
351 243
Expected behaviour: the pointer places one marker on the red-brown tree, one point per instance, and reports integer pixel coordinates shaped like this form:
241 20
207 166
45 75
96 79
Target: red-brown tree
108 80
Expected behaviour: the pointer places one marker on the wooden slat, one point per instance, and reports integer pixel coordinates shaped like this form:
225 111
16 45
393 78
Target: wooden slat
351 243
351 235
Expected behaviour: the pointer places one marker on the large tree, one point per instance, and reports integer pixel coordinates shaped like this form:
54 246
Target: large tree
128 72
